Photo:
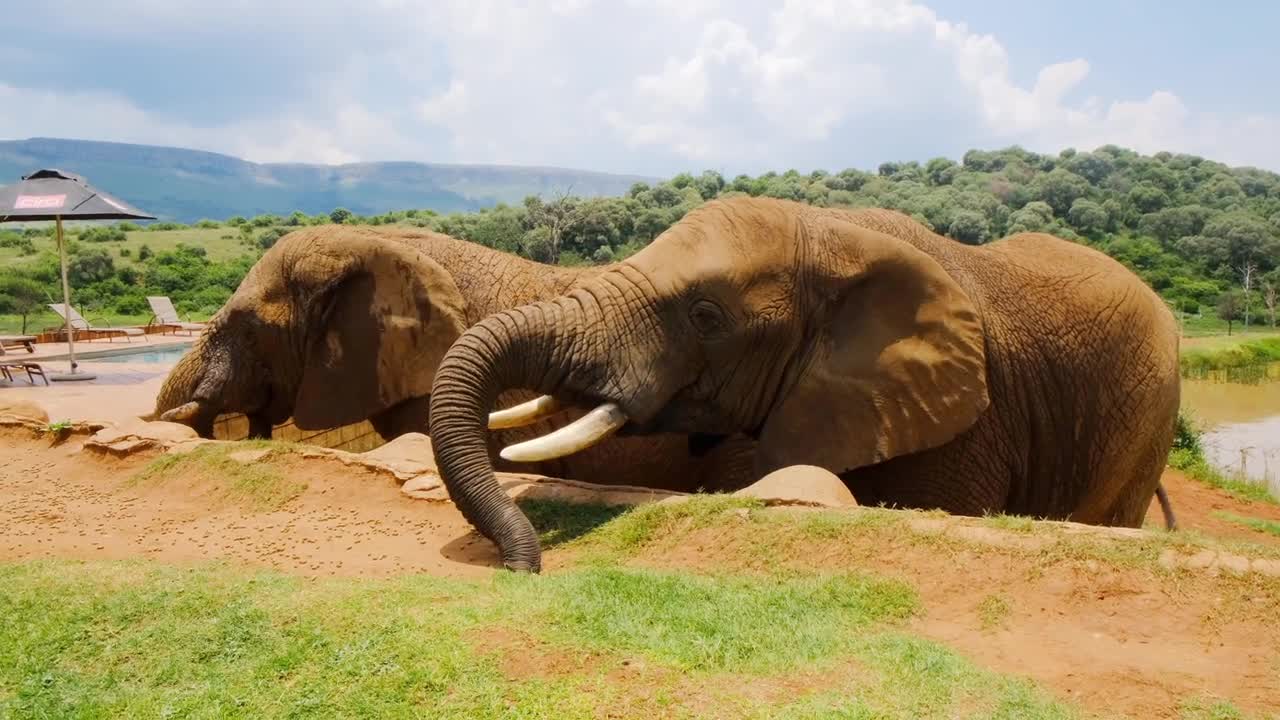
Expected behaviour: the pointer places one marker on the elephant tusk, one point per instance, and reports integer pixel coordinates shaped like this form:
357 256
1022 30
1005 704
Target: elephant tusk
574 437
523 414
181 413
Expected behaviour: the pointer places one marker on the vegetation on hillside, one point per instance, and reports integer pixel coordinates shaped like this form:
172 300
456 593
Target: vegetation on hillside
1204 235
185 185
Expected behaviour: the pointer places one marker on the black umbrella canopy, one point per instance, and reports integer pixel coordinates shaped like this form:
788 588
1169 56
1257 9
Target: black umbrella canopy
56 195
51 194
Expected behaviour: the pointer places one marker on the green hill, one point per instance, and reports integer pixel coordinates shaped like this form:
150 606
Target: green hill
187 185
1187 225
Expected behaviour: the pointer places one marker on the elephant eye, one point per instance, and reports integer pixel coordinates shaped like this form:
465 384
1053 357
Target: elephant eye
707 318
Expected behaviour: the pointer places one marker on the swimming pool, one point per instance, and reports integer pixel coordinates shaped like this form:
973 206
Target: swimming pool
168 354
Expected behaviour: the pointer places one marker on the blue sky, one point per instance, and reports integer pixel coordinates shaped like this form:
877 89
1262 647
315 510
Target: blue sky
650 86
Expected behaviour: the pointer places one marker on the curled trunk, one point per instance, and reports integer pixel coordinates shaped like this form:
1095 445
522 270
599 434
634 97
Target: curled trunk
524 348
494 355
569 348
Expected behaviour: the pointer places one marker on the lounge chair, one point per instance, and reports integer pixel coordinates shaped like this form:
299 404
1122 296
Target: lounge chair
27 341
165 315
80 325
31 369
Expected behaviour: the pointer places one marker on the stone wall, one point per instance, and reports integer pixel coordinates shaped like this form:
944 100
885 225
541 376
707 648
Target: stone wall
358 437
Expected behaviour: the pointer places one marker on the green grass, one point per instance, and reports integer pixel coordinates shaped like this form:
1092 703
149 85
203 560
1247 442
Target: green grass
109 639
1246 360
46 319
257 484
217 246
1205 708
1262 525
992 611
112 639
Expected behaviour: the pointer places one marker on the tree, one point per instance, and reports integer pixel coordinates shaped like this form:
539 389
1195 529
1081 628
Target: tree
1269 300
558 217
968 226
1060 188
1229 308
941 171
1246 275
20 296
1087 216
1147 198
269 237
340 215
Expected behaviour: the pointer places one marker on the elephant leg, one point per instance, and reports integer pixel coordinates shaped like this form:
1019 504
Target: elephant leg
259 427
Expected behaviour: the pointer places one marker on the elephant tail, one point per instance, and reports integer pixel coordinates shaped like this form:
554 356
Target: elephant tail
1170 522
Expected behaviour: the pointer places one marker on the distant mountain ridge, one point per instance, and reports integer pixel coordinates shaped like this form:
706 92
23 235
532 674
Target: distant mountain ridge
186 185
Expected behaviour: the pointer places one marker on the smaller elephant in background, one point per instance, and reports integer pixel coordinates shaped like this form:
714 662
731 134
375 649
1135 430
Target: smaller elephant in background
1029 375
337 324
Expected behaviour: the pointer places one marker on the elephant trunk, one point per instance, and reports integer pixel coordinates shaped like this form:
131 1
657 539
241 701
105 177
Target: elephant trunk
192 393
536 347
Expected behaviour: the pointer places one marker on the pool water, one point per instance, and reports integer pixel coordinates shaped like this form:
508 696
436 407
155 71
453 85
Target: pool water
160 355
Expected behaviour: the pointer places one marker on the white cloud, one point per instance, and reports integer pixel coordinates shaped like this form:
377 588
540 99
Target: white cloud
653 86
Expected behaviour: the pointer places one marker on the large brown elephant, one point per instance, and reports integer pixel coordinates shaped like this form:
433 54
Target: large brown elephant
1030 375
338 324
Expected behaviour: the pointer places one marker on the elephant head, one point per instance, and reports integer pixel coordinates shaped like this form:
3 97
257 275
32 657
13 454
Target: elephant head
825 338
331 326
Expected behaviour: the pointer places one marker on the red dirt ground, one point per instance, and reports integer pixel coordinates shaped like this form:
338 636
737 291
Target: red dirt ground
1114 641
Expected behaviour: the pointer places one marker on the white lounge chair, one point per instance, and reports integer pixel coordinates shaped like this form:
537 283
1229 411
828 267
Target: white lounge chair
80 325
165 315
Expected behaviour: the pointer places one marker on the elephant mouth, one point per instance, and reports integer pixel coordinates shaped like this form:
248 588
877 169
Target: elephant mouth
603 419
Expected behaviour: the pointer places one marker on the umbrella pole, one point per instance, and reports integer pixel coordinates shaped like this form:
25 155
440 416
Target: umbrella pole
66 304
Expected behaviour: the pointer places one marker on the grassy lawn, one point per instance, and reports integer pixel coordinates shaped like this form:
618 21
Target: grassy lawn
133 640
137 639
36 322
220 243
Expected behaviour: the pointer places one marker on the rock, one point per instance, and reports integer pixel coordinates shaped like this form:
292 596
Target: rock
134 435
20 409
800 485
406 456
427 486
248 457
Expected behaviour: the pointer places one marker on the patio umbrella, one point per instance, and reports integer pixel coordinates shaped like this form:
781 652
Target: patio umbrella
53 195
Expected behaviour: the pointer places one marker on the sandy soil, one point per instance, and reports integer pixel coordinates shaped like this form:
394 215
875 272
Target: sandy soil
348 521
1114 641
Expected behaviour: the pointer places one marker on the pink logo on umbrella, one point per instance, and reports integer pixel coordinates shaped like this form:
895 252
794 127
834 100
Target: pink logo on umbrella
39 202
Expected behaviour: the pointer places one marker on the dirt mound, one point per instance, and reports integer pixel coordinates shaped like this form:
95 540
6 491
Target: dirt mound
56 501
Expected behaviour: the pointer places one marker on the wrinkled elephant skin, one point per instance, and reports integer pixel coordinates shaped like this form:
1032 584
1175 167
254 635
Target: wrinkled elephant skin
1030 375
336 324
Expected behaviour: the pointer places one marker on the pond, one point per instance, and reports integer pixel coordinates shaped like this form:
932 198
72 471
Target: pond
1241 423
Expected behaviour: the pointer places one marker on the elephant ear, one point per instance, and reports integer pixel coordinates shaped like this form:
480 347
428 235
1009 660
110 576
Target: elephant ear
380 330
896 365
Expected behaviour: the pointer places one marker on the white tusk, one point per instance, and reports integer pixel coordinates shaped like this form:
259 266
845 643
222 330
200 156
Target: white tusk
523 414
577 435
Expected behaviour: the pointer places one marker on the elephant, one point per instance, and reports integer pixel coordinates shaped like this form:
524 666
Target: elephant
336 324
1030 375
